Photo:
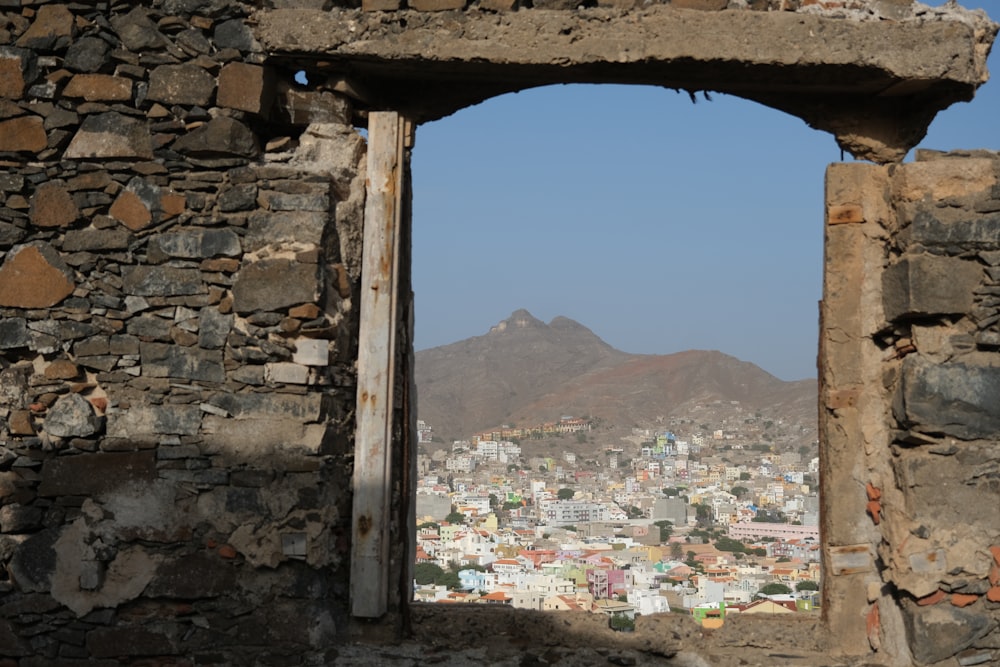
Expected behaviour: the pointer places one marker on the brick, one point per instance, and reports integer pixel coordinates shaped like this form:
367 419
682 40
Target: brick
934 598
963 599
993 595
246 87
99 88
52 206
25 134
847 213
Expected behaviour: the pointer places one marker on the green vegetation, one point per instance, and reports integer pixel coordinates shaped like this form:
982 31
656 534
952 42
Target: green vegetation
455 517
807 586
621 623
774 589
565 494
666 530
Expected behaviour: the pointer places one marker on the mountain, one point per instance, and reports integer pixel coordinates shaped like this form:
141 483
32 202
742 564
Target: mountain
527 372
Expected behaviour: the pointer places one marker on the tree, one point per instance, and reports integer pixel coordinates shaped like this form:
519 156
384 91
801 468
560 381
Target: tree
565 494
739 491
774 589
666 530
426 573
676 551
807 586
744 476
455 517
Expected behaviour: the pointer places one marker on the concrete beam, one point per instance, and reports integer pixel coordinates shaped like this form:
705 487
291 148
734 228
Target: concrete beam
875 85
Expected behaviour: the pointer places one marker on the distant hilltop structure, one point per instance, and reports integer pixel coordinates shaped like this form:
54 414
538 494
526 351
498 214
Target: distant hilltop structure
564 425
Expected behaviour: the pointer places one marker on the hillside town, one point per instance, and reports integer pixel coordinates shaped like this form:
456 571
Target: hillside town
712 513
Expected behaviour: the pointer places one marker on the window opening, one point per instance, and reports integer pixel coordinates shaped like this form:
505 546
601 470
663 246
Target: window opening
661 230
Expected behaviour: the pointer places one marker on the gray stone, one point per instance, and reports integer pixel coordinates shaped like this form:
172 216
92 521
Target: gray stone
87 54
154 420
304 408
181 84
137 31
161 281
111 135
34 562
149 327
200 243
268 228
14 333
952 398
126 640
983 231
95 474
214 328
65 329
235 34
162 360
77 240
220 137
72 416
281 201
274 284
191 577
10 234
15 518
238 198
940 631
925 284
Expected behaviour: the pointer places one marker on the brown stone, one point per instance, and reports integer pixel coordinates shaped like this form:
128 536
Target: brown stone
246 87
53 206
52 24
34 277
99 88
704 5
963 599
436 5
18 68
223 264
131 211
20 423
23 135
933 598
62 369
226 551
181 84
306 311
380 5
172 204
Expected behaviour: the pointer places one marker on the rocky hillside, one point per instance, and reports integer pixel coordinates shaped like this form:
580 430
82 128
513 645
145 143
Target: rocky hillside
525 371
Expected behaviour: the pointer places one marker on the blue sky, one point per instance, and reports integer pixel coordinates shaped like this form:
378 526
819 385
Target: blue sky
659 224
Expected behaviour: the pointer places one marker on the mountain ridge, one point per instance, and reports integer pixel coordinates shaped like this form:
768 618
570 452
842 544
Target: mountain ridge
525 371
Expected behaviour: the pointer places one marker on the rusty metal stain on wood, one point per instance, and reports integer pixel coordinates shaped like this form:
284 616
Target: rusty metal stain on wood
851 559
376 366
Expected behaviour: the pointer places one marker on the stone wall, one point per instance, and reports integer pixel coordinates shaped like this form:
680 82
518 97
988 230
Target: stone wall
180 280
911 464
179 264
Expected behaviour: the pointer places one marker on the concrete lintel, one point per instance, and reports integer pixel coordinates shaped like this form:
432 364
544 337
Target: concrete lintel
876 85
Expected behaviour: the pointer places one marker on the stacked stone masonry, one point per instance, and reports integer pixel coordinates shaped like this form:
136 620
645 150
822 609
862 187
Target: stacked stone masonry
180 250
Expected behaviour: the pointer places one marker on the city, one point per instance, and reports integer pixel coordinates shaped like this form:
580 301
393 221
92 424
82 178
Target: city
711 513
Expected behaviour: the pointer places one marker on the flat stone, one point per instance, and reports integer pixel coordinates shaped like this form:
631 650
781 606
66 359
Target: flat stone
52 206
924 284
25 134
286 373
34 276
99 88
137 31
952 398
14 332
77 240
981 231
87 54
311 352
276 227
241 197
938 632
163 360
72 416
34 562
53 25
181 84
274 284
124 640
18 69
111 135
200 243
214 328
242 441
308 107
154 420
247 87
130 210
161 281
17 518
235 34
304 408
62 369
94 474
220 137
10 234
191 577
20 423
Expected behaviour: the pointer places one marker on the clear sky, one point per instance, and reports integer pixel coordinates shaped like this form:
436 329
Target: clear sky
659 224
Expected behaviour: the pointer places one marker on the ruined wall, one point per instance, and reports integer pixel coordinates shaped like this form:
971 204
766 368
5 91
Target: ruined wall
911 462
180 232
178 273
